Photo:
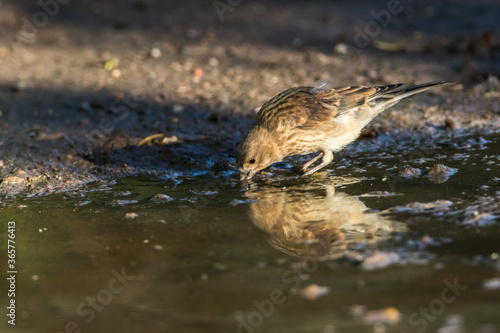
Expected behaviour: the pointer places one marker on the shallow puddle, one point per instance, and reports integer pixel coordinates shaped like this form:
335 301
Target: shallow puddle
383 241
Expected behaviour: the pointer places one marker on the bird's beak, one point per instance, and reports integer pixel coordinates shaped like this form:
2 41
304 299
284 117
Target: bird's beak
246 175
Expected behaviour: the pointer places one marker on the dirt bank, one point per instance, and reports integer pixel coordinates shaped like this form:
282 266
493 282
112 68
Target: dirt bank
84 83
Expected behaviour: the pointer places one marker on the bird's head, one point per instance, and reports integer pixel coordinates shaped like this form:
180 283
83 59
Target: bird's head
257 151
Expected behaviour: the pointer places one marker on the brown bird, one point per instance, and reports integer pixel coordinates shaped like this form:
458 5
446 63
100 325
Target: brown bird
305 120
321 226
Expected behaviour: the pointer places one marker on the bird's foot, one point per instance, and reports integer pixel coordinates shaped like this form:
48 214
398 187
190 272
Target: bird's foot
327 159
308 163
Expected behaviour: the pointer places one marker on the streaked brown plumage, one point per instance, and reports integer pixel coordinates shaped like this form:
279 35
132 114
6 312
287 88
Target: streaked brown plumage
305 120
321 226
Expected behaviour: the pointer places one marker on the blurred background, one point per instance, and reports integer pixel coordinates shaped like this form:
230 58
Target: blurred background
82 80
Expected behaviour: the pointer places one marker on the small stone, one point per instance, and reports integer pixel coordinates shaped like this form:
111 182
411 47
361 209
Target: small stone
155 52
341 48
116 73
213 62
450 124
85 107
389 315
123 202
161 198
368 133
419 207
313 292
198 72
440 173
178 108
492 284
439 169
168 140
379 260
19 86
410 172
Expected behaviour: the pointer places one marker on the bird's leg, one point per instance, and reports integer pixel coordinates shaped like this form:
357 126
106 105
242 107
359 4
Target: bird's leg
308 163
327 159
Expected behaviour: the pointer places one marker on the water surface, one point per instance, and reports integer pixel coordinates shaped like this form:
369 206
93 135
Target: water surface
396 253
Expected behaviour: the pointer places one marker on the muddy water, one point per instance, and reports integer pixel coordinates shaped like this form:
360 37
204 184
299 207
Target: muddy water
393 242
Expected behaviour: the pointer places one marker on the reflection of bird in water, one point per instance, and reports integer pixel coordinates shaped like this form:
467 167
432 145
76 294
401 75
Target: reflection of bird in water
306 223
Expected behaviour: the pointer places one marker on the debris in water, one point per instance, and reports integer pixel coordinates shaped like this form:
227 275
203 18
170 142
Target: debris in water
389 315
419 207
481 219
312 292
379 260
208 192
149 139
453 323
123 202
236 202
379 194
492 284
131 215
161 198
410 172
440 173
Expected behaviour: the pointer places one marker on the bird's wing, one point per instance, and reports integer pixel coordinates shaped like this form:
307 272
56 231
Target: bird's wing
285 110
306 107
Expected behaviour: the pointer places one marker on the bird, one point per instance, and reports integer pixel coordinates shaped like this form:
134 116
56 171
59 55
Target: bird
323 226
319 119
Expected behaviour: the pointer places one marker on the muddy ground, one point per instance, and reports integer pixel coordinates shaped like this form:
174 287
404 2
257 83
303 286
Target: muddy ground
85 82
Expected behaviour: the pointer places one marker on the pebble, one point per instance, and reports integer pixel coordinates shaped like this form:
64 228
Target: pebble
213 62
161 198
198 72
450 124
341 48
18 177
170 139
379 260
379 194
389 315
481 219
178 108
492 284
155 52
418 207
313 292
441 169
116 73
123 202
410 172
440 173
236 202
207 192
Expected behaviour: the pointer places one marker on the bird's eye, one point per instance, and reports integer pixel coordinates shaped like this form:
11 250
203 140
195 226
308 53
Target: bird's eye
252 161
